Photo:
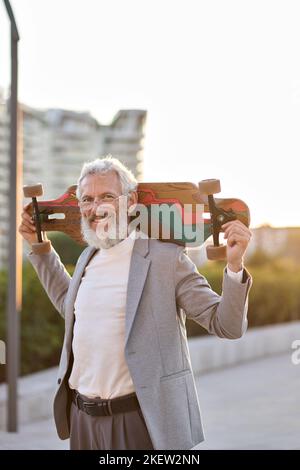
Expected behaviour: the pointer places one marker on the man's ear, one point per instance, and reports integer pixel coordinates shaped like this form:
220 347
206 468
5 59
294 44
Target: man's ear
132 201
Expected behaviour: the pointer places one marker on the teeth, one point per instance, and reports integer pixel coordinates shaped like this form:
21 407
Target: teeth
99 218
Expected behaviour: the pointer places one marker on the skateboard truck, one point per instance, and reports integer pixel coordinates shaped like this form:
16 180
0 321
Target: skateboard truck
218 217
42 246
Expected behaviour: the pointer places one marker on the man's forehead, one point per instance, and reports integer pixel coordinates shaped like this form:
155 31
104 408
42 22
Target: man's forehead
106 181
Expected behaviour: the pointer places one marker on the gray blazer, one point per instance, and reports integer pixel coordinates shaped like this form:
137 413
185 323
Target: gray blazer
164 288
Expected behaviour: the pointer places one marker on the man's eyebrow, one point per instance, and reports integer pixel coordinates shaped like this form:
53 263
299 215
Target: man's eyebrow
99 195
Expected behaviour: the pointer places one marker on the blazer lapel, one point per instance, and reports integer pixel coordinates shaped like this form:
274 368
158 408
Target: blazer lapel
138 271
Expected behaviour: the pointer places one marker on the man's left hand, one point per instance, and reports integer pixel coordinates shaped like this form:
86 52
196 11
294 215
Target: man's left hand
238 237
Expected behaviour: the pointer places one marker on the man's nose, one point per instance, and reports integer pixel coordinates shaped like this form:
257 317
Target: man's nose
95 205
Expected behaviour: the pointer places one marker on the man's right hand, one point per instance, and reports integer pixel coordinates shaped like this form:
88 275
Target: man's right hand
27 227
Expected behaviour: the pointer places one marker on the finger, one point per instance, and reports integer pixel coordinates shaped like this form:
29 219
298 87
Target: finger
27 226
234 223
27 217
238 234
237 239
28 222
25 232
237 230
27 209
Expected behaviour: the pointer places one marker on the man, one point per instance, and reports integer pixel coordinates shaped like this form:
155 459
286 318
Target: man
125 379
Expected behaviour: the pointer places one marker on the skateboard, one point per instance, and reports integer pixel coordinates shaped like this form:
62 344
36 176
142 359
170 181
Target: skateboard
196 213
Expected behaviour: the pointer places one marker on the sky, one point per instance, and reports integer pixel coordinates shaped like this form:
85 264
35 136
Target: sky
220 81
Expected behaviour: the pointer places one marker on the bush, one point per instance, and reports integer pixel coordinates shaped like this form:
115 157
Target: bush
68 249
213 272
41 327
274 296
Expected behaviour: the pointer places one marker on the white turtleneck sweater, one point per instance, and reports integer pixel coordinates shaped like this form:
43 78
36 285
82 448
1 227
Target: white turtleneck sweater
99 368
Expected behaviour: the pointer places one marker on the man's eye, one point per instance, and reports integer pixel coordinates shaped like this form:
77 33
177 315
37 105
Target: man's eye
108 197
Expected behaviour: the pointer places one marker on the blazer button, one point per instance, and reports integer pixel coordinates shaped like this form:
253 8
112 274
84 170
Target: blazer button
59 381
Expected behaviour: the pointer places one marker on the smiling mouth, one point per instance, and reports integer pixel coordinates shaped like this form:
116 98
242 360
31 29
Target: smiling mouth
99 218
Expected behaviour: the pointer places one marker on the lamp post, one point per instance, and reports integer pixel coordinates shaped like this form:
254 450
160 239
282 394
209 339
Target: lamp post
15 255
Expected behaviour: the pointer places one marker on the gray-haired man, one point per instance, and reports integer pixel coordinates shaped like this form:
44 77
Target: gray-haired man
125 378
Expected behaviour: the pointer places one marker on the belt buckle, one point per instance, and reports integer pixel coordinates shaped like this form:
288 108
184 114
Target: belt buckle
106 407
86 405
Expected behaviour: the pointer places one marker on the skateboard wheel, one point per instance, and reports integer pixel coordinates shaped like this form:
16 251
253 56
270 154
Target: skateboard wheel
209 186
216 252
41 248
35 190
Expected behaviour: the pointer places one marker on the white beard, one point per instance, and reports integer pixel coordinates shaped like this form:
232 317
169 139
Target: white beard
92 239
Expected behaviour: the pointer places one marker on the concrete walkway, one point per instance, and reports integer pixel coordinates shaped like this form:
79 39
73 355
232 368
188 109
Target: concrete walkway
250 406
40 435
255 405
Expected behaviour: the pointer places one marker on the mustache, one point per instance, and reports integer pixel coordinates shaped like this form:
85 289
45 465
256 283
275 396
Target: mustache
93 217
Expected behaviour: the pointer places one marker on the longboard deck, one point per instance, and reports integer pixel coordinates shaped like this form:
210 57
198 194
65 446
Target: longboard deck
190 227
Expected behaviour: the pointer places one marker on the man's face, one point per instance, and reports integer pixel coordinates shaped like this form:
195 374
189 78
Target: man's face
100 193
98 188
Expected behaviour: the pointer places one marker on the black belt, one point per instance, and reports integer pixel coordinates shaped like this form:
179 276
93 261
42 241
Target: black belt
106 407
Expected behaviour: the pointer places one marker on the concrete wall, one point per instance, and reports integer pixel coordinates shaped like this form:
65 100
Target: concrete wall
35 394
211 353
207 353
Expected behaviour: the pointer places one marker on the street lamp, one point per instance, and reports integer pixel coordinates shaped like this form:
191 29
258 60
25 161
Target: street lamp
14 294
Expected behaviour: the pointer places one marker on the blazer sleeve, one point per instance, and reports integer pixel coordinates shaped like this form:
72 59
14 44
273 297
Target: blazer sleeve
224 316
53 276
